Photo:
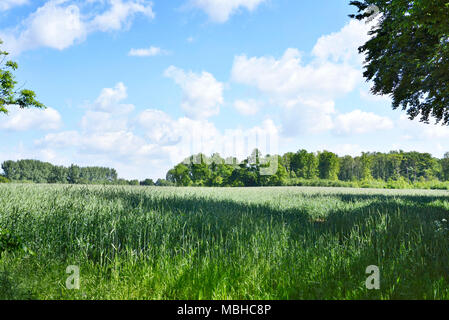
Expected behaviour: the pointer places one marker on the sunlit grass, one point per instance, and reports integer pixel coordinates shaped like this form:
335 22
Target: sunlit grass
205 243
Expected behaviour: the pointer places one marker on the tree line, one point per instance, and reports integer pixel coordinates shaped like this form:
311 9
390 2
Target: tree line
395 169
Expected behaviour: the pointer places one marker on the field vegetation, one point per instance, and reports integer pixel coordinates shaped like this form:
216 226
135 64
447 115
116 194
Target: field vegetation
222 243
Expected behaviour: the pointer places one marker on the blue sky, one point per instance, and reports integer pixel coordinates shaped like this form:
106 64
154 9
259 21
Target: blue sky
139 85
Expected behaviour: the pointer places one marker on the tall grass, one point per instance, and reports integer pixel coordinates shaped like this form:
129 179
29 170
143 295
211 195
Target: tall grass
205 243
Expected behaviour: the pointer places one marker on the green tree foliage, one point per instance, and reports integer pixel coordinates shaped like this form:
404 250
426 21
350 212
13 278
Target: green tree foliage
445 167
147 182
9 95
281 176
408 55
397 169
304 164
347 169
44 172
74 174
328 165
365 166
4 179
164 183
180 176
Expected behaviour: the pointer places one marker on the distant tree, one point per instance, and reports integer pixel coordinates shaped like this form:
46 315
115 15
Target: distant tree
280 178
44 172
9 95
10 169
407 56
328 165
220 171
133 182
394 161
347 166
445 167
287 160
200 172
380 166
4 179
58 175
397 168
304 164
365 162
164 183
179 175
147 182
74 174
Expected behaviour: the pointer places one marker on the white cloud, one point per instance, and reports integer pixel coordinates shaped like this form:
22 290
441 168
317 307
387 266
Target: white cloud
289 77
416 130
60 140
167 141
59 24
307 116
306 91
52 25
149 144
344 149
103 128
179 138
247 107
342 46
103 122
110 100
8 4
368 96
149 52
359 122
202 93
220 10
26 119
159 127
120 14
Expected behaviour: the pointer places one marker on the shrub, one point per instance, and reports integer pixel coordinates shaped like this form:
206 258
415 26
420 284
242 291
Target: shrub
8 241
4 180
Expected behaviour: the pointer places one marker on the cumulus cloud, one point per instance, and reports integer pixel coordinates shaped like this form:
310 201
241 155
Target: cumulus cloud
8 4
344 149
306 91
59 24
310 116
368 96
247 107
220 10
148 52
342 46
202 94
120 14
149 144
416 130
290 77
359 122
182 137
26 119
110 100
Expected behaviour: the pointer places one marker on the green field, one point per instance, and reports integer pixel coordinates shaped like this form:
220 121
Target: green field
240 243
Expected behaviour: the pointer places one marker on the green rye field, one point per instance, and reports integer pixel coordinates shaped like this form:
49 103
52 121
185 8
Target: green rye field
240 243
